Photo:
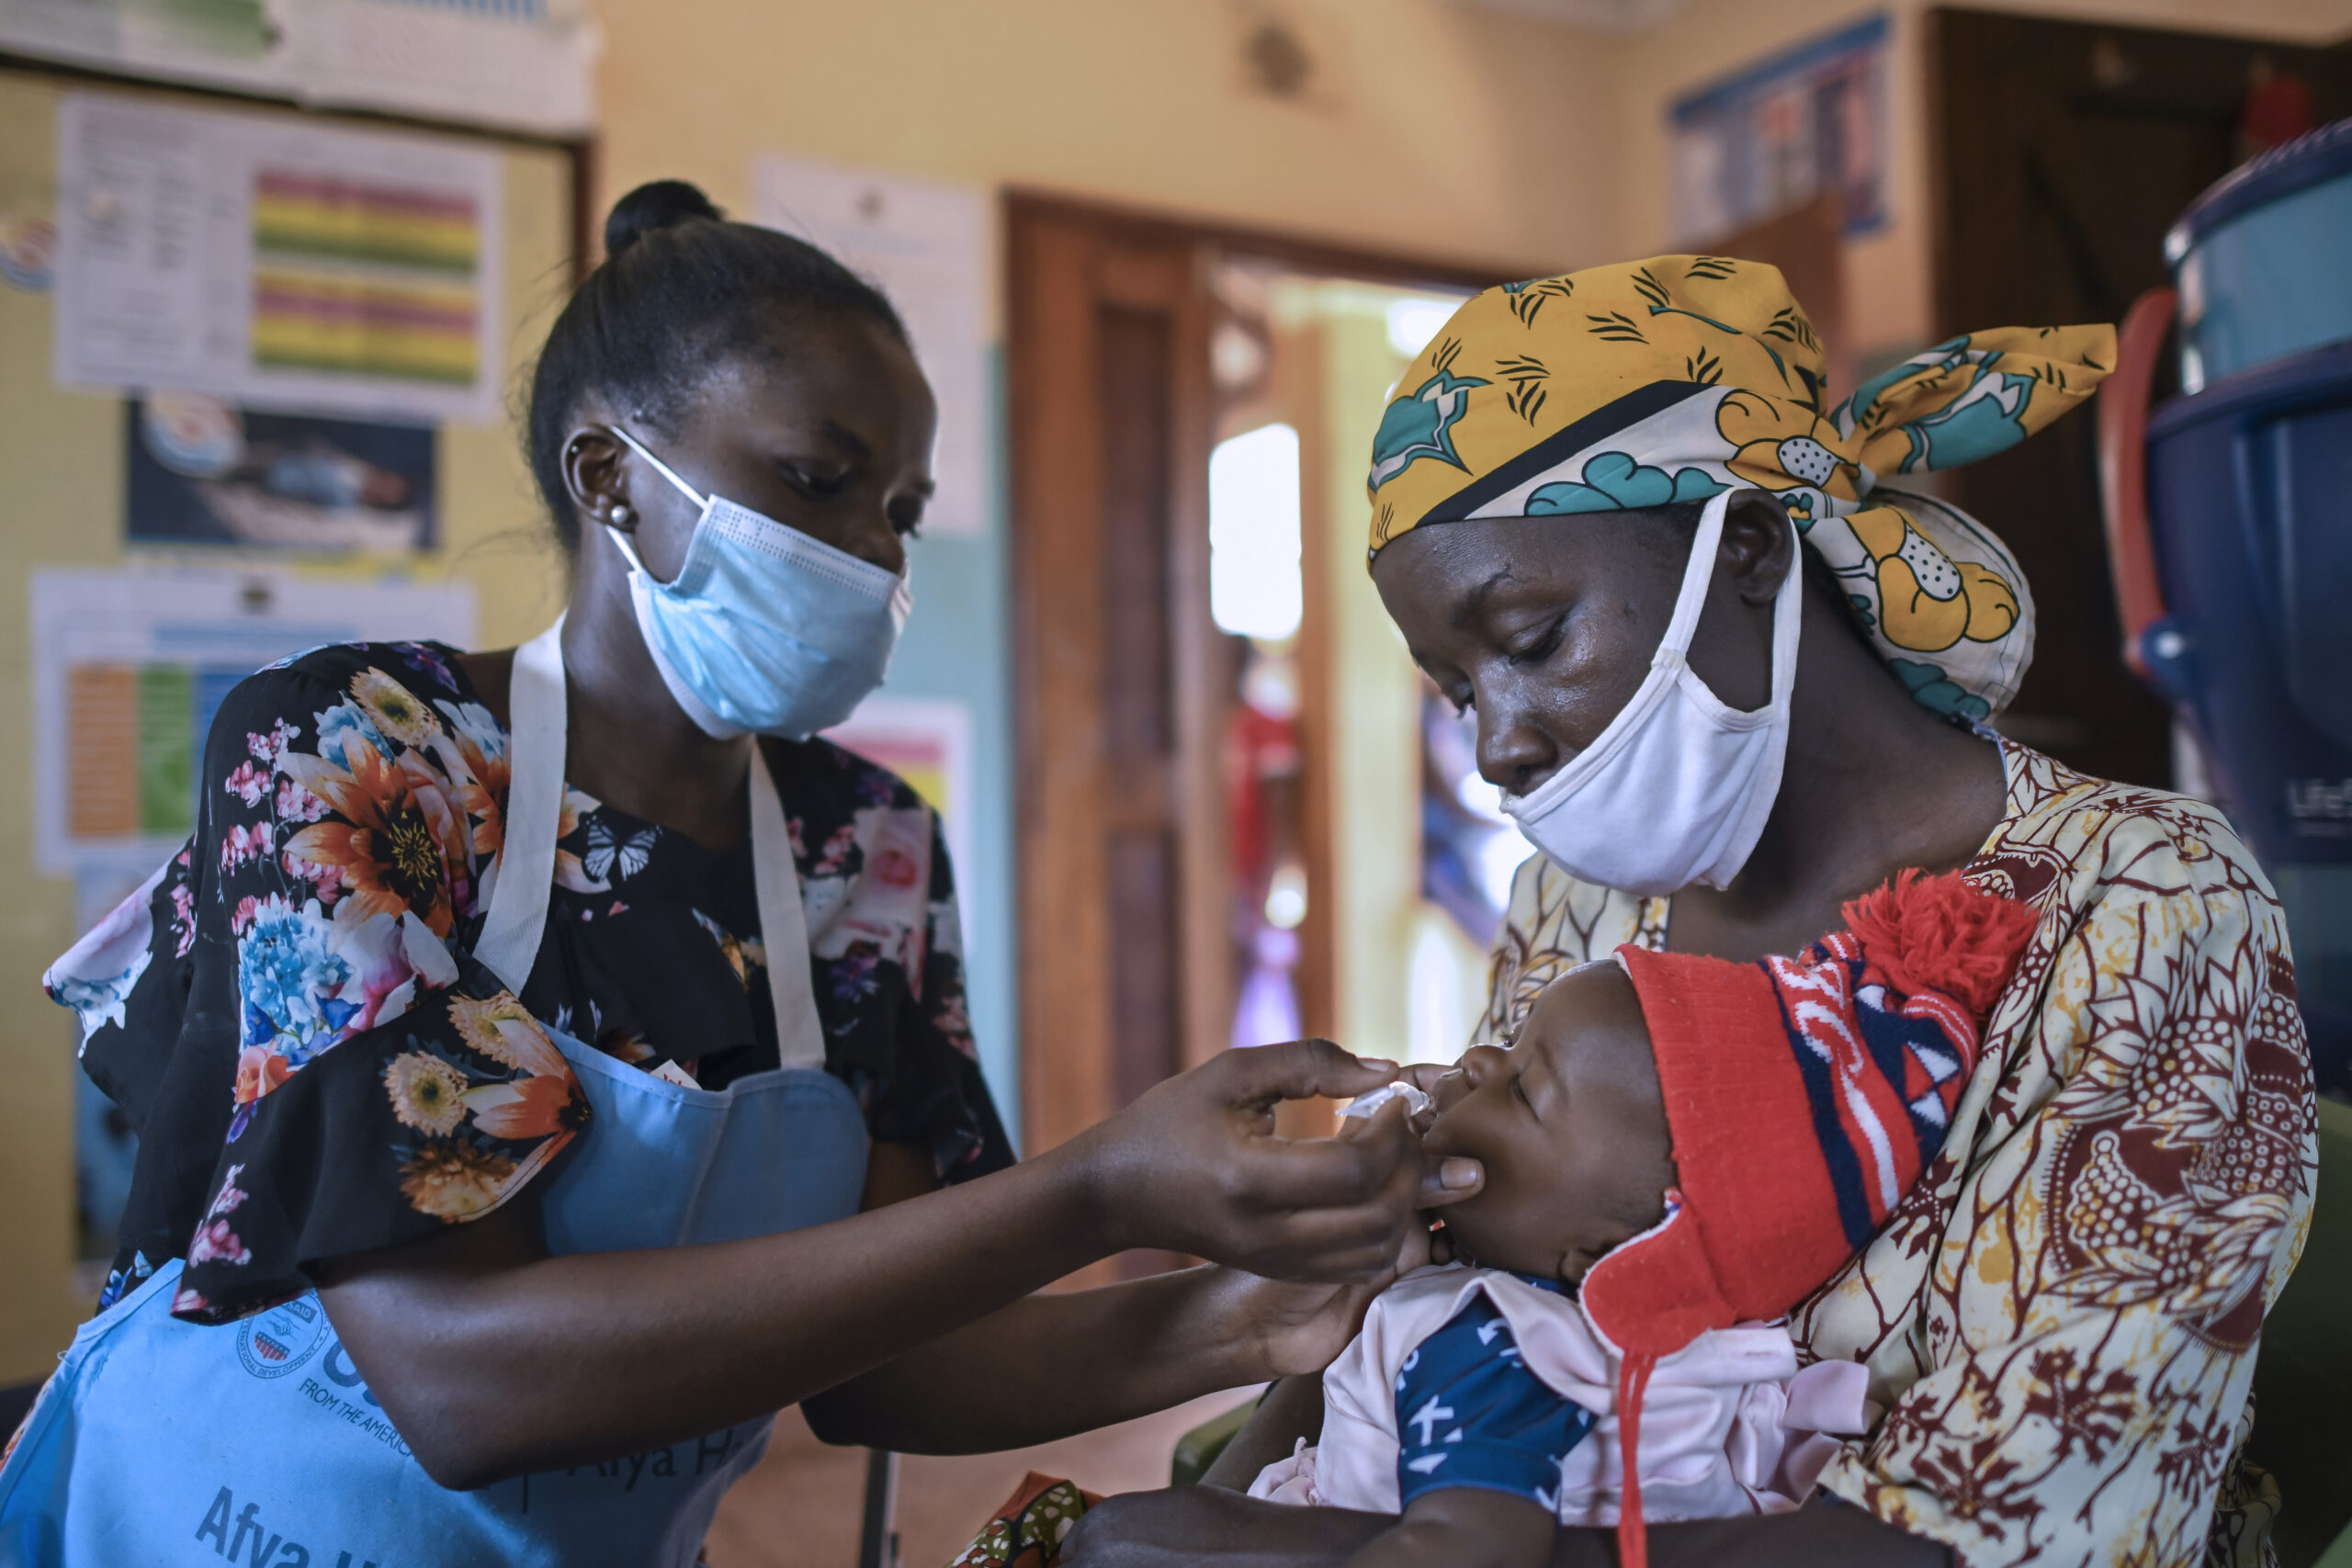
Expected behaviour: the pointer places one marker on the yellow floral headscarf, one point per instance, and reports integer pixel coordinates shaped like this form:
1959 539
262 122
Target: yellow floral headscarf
1675 378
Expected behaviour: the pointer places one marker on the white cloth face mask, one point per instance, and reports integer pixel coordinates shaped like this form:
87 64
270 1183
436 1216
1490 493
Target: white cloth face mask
764 629
1676 789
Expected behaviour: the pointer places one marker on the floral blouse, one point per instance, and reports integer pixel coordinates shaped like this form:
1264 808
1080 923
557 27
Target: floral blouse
2061 1319
290 1014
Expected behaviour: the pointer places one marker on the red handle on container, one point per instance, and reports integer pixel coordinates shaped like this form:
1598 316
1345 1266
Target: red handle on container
2123 468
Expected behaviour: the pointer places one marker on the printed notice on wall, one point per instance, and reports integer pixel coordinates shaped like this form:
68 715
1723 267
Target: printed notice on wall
130 666
526 64
928 742
1772 138
926 244
279 265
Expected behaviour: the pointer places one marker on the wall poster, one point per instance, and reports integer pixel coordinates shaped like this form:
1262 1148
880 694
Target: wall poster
928 742
283 267
129 664
926 244
1774 136
527 65
203 471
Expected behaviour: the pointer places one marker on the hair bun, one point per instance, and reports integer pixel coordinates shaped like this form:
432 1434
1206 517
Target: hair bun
657 203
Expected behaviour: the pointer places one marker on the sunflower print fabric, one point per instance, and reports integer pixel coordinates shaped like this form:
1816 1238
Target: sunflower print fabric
2062 1318
1675 378
290 1016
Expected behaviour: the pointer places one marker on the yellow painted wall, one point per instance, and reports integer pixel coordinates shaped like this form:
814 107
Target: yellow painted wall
62 503
1454 131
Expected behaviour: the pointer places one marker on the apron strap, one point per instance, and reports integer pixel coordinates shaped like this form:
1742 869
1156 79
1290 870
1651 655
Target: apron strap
511 932
783 925
535 755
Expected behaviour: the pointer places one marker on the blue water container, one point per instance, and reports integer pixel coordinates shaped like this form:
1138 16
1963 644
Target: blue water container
2248 519
2260 260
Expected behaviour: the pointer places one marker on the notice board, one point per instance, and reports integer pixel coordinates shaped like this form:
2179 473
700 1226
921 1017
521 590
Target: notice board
66 503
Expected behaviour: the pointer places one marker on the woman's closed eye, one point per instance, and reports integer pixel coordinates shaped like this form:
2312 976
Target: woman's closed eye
815 481
1539 643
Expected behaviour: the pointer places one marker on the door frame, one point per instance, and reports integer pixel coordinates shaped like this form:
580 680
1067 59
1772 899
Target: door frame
1067 1066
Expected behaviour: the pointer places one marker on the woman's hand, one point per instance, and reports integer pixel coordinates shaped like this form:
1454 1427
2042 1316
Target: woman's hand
1196 1166
1302 1326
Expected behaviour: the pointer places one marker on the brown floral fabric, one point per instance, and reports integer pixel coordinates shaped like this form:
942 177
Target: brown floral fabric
2061 1319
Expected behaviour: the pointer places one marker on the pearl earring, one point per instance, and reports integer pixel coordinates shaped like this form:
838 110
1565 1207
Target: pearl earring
621 514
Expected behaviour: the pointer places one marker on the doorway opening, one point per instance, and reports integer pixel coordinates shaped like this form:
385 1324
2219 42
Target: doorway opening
1221 795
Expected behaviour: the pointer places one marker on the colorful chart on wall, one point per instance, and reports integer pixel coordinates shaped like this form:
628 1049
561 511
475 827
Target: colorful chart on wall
524 65
281 266
927 245
1772 136
928 742
199 470
130 664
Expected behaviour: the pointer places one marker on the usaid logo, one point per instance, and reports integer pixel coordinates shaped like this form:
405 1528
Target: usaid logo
273 1343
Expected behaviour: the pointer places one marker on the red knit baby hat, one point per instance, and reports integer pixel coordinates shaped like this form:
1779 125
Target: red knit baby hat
1804 1097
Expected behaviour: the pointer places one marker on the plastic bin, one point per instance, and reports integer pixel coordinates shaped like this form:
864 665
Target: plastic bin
2229 516
2260 260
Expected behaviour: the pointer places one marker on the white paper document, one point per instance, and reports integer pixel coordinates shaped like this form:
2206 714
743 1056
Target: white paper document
130 664
926 244
928 742
526 65
280 265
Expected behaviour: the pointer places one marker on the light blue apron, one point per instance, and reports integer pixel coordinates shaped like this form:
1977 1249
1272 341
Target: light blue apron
164 1442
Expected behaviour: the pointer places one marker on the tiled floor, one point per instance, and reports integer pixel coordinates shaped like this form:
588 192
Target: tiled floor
799 1508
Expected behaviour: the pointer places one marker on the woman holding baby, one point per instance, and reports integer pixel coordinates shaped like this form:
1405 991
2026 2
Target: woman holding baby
1731 677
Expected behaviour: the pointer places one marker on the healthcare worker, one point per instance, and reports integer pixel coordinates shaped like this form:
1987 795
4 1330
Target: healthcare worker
525 1046
1729 671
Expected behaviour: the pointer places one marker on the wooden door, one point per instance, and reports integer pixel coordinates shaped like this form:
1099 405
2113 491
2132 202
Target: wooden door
1125 960
2063 150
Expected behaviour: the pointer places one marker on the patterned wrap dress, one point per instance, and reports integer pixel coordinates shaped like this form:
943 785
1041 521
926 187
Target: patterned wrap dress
290 1016
2062 1318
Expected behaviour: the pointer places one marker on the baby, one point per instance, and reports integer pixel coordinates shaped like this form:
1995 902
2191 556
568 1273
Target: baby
1678 1151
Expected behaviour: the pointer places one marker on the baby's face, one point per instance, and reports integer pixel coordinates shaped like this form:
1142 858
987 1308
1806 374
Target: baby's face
1569 1124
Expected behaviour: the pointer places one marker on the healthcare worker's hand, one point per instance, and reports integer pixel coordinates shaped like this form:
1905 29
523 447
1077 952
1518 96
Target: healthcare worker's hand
1302 1326
1457 1178
1196 1166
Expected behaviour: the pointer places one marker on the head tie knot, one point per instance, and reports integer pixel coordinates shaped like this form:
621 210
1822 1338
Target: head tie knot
1672 380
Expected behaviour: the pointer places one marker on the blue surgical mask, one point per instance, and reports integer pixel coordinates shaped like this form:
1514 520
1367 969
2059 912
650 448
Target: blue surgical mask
764 629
